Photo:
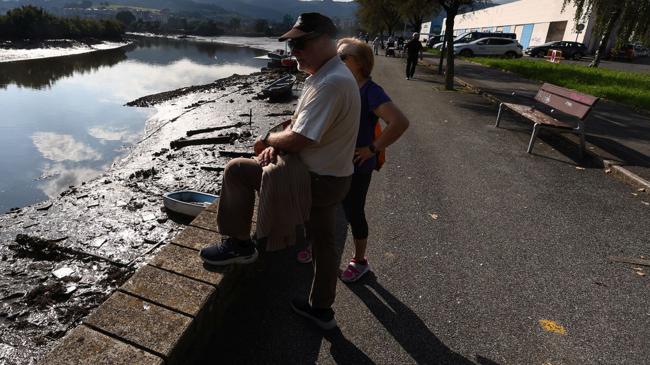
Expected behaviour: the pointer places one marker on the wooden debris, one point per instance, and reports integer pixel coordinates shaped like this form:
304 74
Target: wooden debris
212 129
183 142
230 153
45 206
630 260
212 168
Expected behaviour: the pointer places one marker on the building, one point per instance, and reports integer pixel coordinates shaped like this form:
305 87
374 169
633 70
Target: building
534 22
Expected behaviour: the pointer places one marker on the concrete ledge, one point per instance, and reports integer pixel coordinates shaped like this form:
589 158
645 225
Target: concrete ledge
163 313
84 346
136 321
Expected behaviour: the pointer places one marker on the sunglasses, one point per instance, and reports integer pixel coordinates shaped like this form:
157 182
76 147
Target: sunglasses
300 43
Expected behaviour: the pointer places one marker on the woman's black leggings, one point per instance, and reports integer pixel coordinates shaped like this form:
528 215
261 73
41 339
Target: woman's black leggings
354 205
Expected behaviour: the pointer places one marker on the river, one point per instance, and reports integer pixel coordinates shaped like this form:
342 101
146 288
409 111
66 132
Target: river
63 120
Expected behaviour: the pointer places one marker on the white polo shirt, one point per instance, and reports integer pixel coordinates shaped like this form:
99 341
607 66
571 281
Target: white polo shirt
328 113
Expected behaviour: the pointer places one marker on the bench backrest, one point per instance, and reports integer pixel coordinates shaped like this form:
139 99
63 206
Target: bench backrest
566 100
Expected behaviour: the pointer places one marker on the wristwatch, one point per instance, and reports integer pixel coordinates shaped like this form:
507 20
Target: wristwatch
372 148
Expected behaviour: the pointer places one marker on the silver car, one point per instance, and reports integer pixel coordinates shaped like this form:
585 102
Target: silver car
491 46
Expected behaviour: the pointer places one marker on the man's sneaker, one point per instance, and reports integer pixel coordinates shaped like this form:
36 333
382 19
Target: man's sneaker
323 318
355 270
230 251
304 256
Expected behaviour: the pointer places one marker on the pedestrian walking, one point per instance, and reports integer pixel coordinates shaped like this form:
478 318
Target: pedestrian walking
413 51
323 134
375 104
375 45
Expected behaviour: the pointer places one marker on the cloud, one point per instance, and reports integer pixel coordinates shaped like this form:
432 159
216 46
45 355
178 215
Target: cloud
63 147
63 177
113 134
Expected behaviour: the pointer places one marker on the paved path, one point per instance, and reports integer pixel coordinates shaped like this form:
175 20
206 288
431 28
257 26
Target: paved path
518 238
620 132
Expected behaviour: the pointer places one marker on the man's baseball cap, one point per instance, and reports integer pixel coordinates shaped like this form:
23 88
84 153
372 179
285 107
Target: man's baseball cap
309 24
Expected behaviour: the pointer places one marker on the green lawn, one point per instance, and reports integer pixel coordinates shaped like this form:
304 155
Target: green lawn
432 51
630 88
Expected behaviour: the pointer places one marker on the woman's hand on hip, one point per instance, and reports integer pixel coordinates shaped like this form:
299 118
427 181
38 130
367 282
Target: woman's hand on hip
361 155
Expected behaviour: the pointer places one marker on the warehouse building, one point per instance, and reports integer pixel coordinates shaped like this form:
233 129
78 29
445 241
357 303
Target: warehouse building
534 22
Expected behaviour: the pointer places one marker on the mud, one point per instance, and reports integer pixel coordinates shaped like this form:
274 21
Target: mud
62 258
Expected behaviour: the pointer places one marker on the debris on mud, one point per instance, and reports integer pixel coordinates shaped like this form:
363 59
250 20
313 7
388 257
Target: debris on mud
104 245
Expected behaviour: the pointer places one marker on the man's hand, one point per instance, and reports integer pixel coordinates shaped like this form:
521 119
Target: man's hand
361 155
259 146
268 156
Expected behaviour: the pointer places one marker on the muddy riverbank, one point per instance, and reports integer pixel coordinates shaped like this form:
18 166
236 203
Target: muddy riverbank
61 258
22 51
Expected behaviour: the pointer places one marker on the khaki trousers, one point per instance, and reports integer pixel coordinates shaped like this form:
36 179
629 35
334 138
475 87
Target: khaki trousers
243 176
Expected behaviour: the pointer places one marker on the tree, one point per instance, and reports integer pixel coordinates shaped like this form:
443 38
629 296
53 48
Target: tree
261 26
126 17
452 7
631 17
414 12
234 24
379 15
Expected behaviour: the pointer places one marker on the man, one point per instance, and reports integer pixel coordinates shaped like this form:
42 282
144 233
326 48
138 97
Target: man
323 134
413 50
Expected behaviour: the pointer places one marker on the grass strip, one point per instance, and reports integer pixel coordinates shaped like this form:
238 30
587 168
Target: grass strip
631 88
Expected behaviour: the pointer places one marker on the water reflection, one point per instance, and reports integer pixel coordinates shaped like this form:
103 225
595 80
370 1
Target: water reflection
104 134
61 177
63 147
43 73
63 119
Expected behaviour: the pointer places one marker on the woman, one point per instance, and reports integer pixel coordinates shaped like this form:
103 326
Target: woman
375 104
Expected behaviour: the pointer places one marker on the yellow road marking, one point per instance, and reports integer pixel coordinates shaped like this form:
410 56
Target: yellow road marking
551 326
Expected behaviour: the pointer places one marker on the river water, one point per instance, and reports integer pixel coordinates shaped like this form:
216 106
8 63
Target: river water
63 120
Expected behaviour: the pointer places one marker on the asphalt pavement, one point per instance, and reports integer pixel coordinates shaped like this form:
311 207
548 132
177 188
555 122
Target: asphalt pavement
481 254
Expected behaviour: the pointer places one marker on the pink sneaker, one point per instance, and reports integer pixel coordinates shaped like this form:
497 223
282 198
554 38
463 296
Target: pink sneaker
354 271
304 256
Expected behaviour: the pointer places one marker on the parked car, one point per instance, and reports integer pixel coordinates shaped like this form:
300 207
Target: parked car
625 52
640 50
490 47
472 36
573 50
434 40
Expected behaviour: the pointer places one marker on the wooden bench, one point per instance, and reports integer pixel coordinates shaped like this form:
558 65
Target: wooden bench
567 101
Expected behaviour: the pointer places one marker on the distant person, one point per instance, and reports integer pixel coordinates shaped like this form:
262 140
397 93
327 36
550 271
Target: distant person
323 134
375 45
413 51
375 104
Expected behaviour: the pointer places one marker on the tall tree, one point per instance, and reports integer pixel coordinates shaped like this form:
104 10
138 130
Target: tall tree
631 17
126 17
452 7
379 15
415 12
235 24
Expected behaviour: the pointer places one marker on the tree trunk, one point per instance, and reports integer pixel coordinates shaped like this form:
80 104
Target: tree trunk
604 39
449 40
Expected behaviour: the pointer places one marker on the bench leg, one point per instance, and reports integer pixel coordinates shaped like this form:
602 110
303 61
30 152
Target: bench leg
496 125
536 129
581 153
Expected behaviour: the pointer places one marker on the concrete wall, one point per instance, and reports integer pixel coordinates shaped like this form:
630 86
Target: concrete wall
522 12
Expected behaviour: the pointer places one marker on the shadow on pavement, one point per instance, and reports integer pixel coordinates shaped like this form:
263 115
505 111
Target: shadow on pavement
260 327
404 325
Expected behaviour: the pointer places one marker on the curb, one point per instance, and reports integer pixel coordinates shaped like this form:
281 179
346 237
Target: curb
164 313
610 166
